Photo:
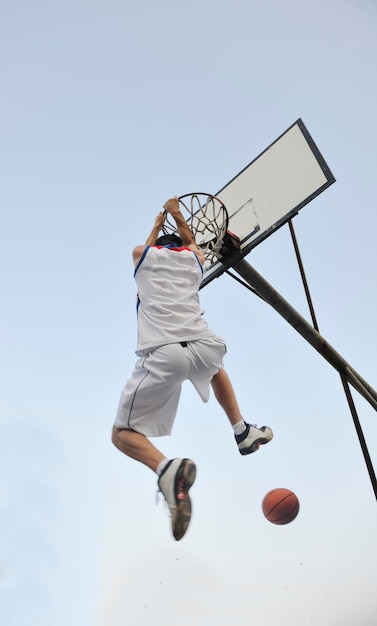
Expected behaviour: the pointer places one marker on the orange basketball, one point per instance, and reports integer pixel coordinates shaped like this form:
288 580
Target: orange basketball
280 506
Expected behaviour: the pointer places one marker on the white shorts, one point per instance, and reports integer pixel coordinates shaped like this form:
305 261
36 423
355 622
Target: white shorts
149 400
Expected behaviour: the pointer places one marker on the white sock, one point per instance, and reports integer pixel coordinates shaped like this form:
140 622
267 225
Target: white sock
161 466
239 428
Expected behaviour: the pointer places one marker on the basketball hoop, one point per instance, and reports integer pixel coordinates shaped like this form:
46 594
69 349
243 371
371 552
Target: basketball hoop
207 219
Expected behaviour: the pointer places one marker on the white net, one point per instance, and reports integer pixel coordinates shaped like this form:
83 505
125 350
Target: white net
207 218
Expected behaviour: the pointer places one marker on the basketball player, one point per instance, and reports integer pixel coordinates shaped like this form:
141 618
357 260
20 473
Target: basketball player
174 344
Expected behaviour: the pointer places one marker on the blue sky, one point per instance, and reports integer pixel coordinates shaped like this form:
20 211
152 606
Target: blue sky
107 109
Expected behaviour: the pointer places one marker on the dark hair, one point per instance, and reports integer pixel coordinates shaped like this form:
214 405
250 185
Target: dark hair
166 240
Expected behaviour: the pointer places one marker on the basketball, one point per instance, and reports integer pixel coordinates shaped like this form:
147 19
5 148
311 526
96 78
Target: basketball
280 506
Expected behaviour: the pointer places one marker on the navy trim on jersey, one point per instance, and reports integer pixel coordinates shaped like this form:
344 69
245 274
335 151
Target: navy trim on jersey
141 259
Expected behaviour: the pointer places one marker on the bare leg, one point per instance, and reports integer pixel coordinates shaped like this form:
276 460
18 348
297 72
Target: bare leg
225 395
137 447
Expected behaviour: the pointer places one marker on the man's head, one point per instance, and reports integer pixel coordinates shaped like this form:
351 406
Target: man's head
169 240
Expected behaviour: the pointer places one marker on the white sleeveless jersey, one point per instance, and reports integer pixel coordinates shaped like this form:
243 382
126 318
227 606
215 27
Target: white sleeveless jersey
168 307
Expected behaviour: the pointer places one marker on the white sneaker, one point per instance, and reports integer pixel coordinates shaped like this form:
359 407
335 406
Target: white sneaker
174 482
253 437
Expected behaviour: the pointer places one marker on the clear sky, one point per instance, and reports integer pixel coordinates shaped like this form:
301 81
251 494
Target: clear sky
107 109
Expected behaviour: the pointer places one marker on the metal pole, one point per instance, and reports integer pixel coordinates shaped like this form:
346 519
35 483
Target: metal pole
303 276
360 435
272 297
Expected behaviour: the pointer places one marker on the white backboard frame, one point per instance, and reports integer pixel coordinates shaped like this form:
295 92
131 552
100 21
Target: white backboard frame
271 190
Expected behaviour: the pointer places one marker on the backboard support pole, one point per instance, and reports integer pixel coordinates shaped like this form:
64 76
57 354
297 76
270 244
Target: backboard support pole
347 373
299 323
303 275
360 434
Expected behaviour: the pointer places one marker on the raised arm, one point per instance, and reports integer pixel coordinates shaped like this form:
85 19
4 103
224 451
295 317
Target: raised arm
158 224
172 207
188 239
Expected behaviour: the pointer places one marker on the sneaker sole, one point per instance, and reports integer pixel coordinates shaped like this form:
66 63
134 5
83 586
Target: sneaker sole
254 446
184 480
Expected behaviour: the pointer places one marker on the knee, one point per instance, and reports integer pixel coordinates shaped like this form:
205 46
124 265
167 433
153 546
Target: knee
115 437
218 378
122 438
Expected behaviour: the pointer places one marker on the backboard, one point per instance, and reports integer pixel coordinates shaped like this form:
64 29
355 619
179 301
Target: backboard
271 190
